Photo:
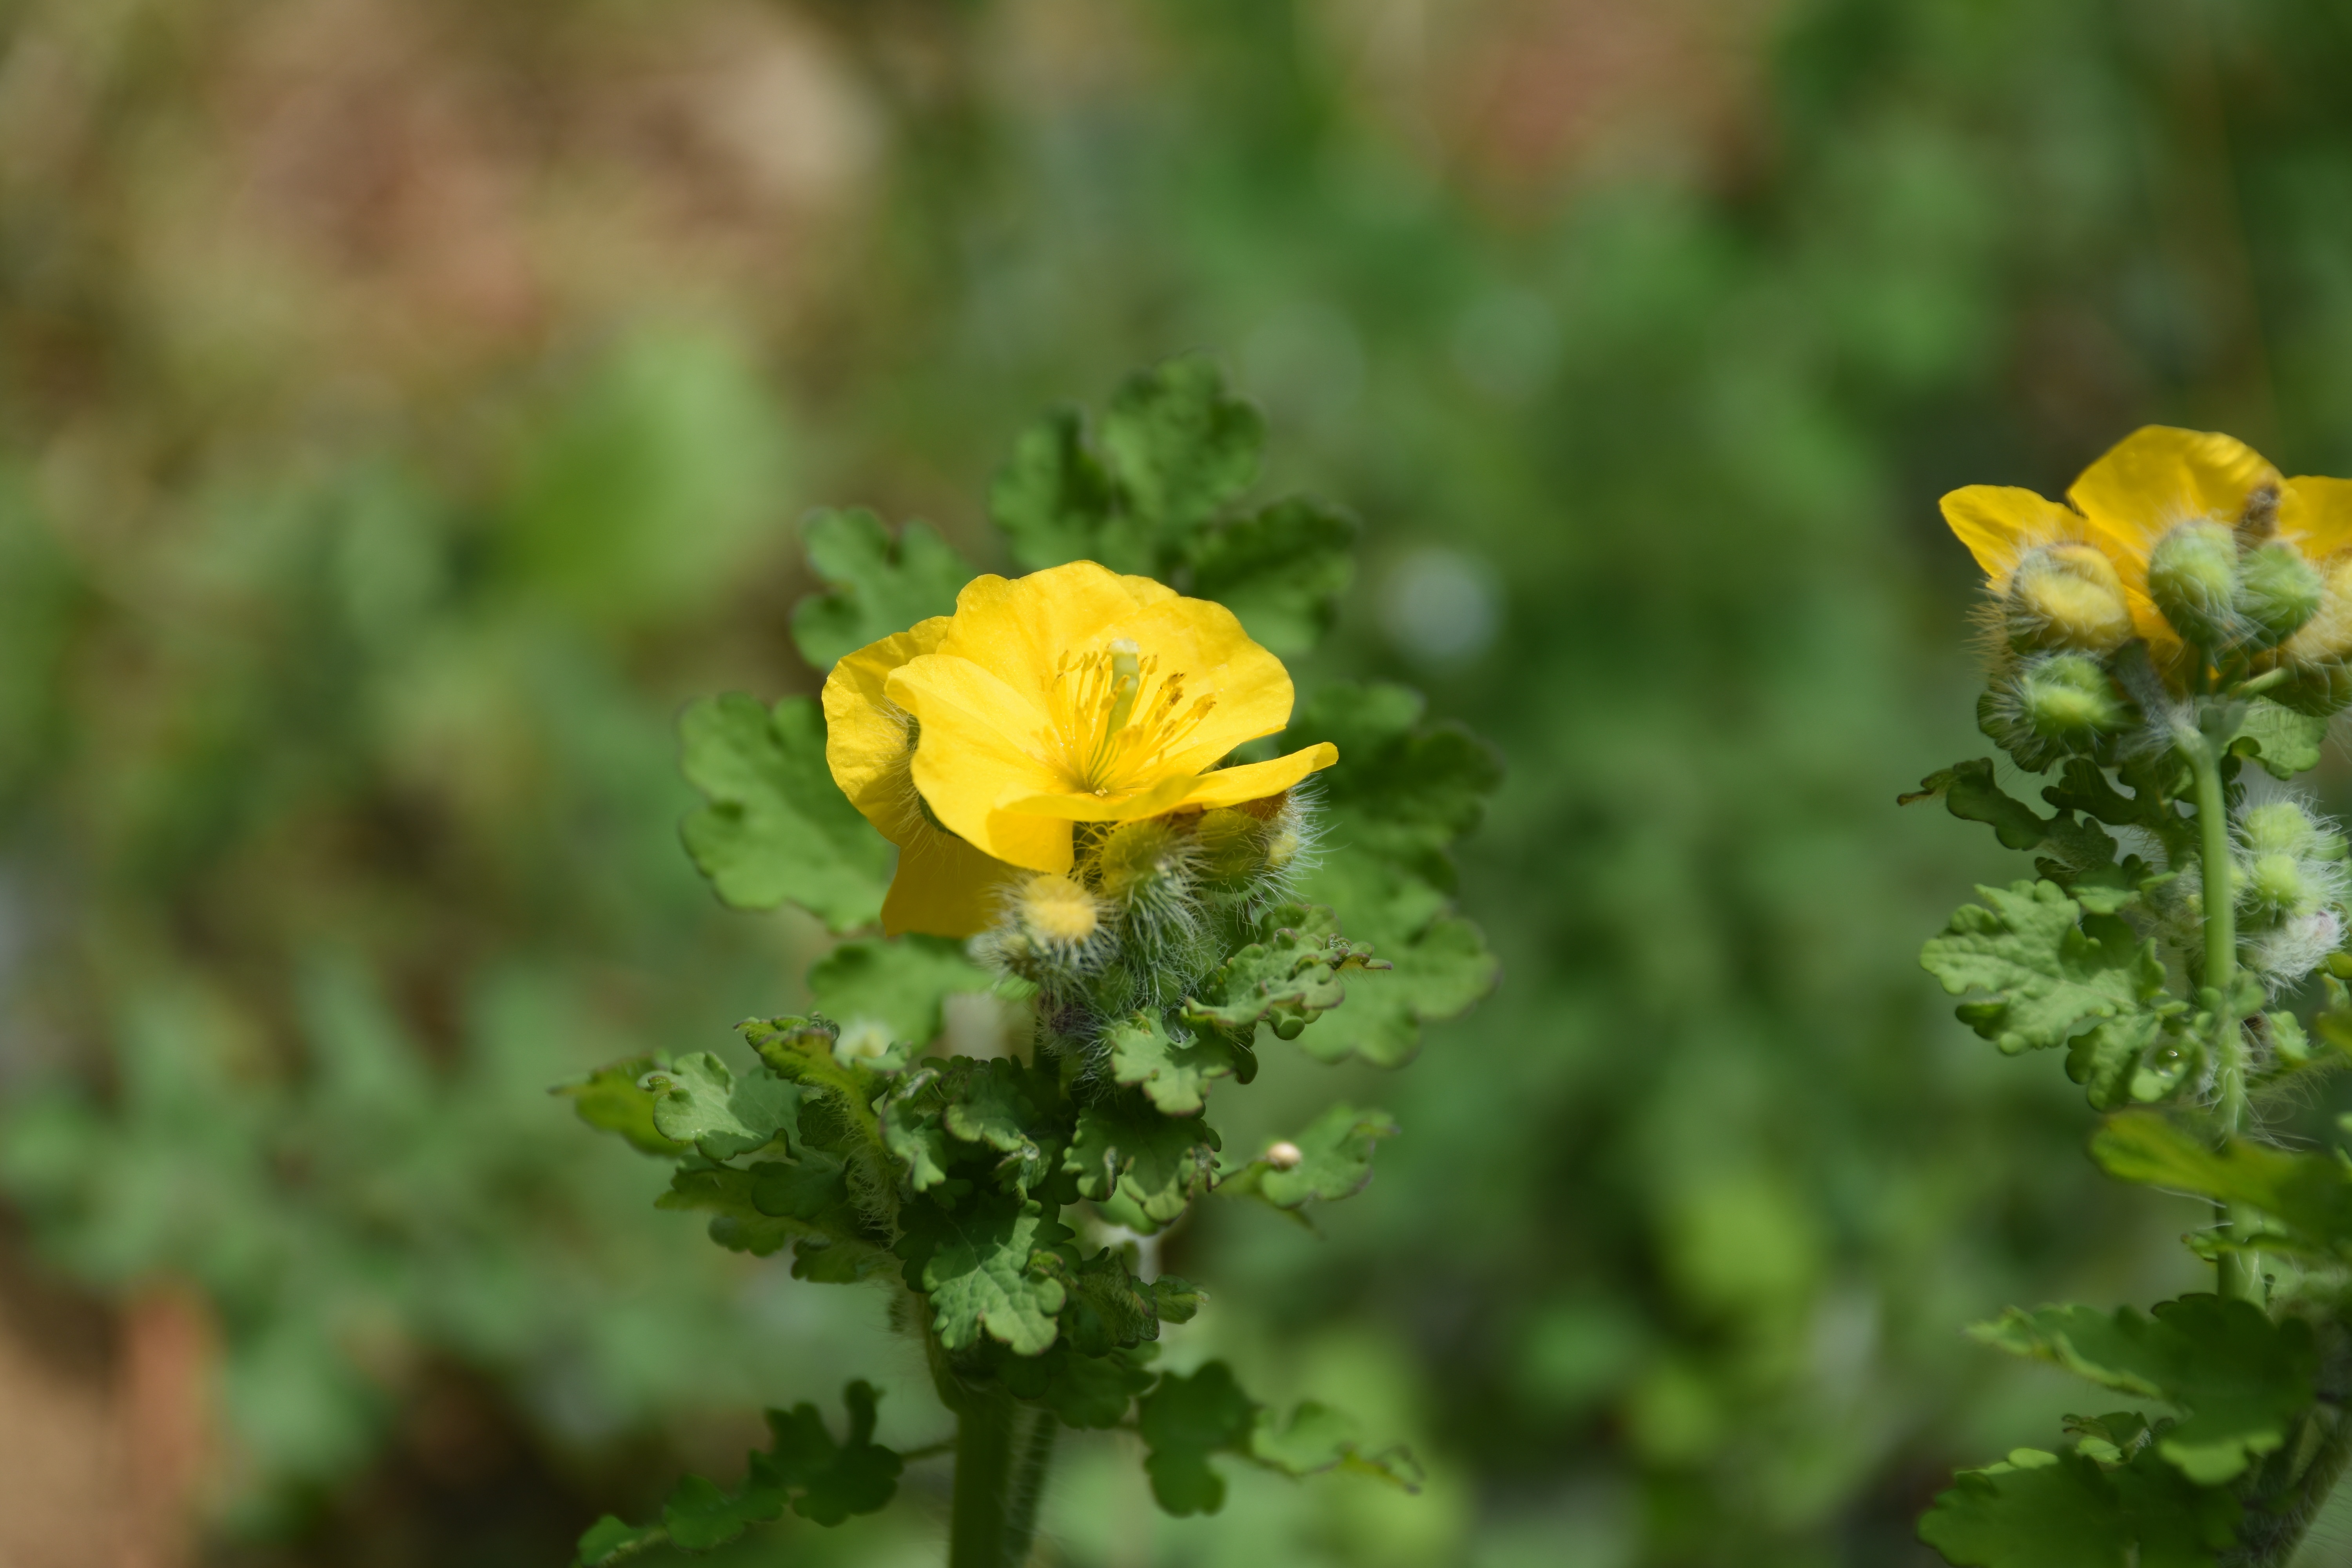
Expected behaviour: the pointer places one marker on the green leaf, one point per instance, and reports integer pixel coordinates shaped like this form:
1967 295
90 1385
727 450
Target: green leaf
978 1264
698 1101
2240 1378
2105 1059
1184 1420
1315 1437
1968 793
1281 571
699 1517
1283 980
1109 1309
824 1481
2284 741
738 1222
1335 1160
777 826
1179 447
1093 1391
875 585
2066 1511
2049 975
990 1105
611 1541
1439 972
1141 1168
613 1100
1053 499
911 1129
900 984
1176 1300
1175 1073
1402 790
2307 1197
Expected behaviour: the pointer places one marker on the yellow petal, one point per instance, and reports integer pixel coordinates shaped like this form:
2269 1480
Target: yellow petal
2000 523
944 886
865 733
1072 805
2158 476
978 750
1255 781
2317 514
1204 641
1021 629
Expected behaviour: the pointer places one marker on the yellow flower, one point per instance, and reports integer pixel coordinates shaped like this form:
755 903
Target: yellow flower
1077 695
2150 483
943 887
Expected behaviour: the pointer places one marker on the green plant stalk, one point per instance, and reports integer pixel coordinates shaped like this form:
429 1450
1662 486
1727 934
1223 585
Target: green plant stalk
1029 1484
980 1514
2239 1273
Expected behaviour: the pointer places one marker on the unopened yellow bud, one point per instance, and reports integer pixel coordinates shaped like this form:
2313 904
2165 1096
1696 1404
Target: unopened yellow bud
2067 597
1281 848
1054 909
2278 593
2192 576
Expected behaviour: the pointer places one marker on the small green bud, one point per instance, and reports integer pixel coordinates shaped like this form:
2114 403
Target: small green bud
1140 856
2278 593
2275 884
1231 846
2281 827
2067 597
2192 576
2326 845
2067 696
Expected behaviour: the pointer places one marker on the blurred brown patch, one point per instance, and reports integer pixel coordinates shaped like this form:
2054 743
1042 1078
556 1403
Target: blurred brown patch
104 1435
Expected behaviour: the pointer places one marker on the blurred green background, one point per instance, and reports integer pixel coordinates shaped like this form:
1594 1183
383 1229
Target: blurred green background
409 404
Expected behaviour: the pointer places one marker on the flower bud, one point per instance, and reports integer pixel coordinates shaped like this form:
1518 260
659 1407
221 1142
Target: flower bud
1144 859
2192 576
2067 696
2067 597
1056 912
2278 593
1230 846
2279 827
2277 884
1285 1155
2327 635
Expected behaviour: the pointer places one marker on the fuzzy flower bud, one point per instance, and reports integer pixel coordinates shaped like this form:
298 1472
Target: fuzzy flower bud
2067 597
2067 696
1231 846
2278 827
2275 885
2278 593
2192 576
1140 859
1055 911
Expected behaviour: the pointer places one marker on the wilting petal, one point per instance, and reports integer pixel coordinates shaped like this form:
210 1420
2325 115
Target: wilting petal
981 746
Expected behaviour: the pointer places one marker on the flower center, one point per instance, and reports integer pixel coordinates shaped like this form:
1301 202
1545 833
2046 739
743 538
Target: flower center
1114 722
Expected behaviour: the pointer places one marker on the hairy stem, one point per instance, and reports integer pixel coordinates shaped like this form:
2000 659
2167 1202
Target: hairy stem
978 1515
2240 1274
1029 1484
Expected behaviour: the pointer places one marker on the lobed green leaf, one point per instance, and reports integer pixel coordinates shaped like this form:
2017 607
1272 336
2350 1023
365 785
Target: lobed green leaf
2049 966
776 828
2067 1510
875 585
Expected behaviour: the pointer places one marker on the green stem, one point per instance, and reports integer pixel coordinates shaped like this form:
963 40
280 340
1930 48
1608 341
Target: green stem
977 1517
2240 1275
1029 1485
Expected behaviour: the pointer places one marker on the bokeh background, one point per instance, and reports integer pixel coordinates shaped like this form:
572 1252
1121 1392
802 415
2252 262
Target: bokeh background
405 406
